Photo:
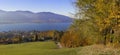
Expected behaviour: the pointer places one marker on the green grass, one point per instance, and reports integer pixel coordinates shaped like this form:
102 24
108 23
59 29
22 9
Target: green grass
35 48
50 48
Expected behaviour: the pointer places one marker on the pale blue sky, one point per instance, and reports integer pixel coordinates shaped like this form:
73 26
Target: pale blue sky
64 7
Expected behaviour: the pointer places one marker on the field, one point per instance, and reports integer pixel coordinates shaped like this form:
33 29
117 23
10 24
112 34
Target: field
49 48
35 48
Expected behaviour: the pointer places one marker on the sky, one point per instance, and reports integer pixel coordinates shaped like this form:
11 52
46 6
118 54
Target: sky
64 7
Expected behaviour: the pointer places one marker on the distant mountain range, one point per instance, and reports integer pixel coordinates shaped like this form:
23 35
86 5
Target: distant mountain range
31 17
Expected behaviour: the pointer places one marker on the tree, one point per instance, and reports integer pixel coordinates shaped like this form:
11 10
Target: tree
98 22
105 14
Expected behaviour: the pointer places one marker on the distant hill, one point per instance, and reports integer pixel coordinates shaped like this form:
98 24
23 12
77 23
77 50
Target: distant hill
30 17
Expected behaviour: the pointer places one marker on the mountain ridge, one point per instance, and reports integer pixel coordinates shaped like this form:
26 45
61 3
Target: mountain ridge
31 17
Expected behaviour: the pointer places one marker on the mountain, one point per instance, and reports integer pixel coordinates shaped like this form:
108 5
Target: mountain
31 17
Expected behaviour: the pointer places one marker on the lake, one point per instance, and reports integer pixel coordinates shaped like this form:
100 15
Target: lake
34 26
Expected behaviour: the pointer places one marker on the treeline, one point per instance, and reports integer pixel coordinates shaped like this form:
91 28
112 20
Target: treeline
13 37
97 22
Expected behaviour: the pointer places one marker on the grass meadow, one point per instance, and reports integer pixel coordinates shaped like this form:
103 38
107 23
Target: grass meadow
35 48
50 48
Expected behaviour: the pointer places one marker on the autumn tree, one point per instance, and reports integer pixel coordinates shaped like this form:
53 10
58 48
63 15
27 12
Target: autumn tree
98 21
105 14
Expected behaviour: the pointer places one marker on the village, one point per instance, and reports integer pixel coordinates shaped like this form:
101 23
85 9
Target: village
13 37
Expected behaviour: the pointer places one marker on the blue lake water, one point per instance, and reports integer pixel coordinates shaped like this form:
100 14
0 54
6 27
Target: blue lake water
34 26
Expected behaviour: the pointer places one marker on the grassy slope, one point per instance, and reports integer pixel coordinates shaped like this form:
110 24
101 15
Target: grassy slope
49 48
98 50
34 48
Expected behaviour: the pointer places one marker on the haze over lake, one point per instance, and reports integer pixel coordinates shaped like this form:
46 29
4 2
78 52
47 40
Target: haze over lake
34 26
29 21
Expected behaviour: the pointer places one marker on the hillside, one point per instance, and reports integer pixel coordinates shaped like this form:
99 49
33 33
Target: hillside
49 48
34 48
28 16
